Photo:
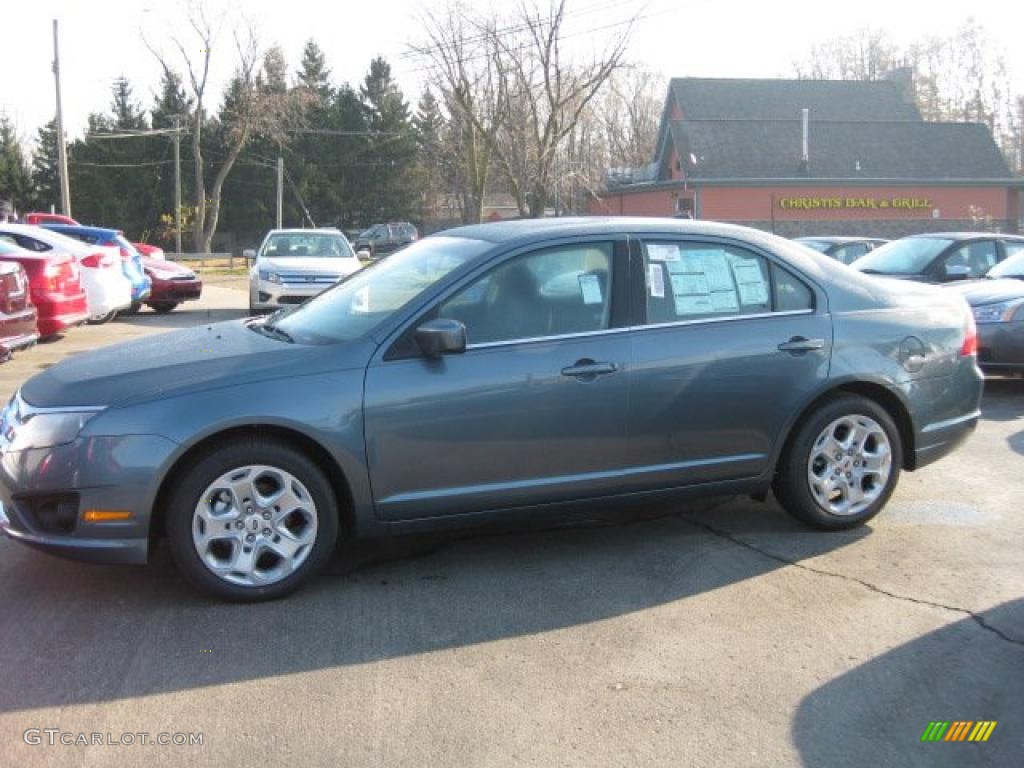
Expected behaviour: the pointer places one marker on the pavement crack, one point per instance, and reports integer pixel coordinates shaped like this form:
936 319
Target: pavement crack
980 620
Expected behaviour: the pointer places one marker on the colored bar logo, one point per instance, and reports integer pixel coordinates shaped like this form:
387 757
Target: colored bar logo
958 730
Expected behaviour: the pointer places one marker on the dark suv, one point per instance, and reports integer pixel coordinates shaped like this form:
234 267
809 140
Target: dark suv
382 239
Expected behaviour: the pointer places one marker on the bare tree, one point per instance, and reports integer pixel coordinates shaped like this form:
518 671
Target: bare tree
631 115
866 54
515 93
256 103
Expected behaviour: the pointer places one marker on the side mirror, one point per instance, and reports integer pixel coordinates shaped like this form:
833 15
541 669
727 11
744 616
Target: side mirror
957 272
441 337
249 254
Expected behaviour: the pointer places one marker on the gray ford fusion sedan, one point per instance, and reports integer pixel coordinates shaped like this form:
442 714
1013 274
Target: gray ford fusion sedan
494 372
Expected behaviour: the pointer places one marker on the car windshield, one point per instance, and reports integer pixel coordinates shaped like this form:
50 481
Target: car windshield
1012 267
367 298
910 256
818 245
307 245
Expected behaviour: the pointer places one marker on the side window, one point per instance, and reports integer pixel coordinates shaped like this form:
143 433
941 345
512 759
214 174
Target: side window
693 281
31 244
790 293
1013 247
555 291
848 254
978 257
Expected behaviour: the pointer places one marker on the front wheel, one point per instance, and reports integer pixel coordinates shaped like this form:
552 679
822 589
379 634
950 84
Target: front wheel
252 520
842 465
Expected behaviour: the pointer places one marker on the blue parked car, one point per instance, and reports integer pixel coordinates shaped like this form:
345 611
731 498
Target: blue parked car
131 259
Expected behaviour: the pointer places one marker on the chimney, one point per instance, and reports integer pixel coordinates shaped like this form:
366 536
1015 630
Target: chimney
805 152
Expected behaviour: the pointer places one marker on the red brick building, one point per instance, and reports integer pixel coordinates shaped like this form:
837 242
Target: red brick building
802 157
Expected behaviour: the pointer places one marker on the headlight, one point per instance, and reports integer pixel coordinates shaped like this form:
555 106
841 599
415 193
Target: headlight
23 426
272 277
1004 312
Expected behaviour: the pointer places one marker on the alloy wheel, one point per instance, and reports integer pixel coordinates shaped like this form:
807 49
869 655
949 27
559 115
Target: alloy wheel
254 525
849 465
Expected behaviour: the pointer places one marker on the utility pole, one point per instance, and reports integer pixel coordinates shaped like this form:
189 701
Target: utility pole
62 150
177 183
280 191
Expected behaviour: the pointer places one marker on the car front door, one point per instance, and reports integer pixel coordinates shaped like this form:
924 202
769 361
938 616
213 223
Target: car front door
533 411
729 344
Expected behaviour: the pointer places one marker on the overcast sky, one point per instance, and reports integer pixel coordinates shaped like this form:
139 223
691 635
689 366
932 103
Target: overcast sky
102 39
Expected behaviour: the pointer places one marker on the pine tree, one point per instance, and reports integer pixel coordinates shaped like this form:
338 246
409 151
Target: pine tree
126 111
314 73
428 123
390 192
15 179
45 169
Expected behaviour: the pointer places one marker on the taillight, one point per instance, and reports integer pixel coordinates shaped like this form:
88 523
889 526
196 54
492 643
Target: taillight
970 345
99 259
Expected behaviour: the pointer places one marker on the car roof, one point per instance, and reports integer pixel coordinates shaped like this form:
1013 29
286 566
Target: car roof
969 235
573 226
300 230
49 236
839 238
81 229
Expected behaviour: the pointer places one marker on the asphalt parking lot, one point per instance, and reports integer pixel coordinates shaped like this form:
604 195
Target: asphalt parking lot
721 634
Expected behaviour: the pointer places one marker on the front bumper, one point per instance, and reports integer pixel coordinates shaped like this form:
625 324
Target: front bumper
176 291
103 473
1001 346
270 295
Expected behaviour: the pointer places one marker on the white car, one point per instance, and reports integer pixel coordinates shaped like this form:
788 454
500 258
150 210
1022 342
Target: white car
293 264
107 289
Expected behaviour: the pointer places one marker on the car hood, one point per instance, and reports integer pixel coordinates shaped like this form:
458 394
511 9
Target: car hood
207 356
313 265
980 292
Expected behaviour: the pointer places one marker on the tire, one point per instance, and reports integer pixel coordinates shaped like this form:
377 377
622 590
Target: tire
133 309
163 307
834 473
101 319
215 560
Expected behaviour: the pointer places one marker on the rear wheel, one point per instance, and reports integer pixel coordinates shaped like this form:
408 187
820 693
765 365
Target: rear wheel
842 465
101 319
133 309
252 520
163 307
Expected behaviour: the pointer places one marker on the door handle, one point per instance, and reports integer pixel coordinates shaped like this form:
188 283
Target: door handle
798 345
588 369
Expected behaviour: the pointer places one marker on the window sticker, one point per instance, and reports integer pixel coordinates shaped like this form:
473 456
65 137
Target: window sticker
694 305
751 282
656 281
590 287
689 284
724 301
662 252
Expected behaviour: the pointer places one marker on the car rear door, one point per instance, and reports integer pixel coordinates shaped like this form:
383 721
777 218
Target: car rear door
728 344
535 409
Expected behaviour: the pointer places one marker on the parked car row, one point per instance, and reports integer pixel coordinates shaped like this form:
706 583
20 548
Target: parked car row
57 274
986 268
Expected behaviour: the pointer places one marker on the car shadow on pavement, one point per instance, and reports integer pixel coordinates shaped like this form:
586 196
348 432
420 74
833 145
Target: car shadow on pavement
877 713
74 634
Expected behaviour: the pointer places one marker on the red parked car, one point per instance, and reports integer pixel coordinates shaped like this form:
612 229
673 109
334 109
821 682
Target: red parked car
17 315
55 286
172 284
35 219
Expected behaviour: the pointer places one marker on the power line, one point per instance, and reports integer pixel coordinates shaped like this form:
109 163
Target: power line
121 165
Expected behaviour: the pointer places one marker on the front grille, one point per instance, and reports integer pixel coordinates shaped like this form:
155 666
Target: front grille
309 279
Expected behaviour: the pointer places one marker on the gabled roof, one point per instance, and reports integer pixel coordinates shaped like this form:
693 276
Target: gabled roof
750 99
771 149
